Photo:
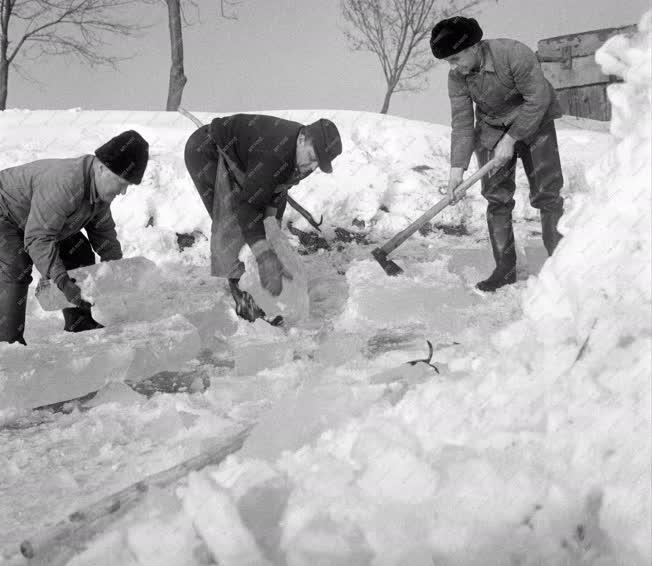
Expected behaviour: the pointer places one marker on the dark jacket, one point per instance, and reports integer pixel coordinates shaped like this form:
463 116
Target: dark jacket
263 148
52 199
510 93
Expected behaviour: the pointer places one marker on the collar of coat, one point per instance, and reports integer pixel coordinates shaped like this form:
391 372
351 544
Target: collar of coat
93 196
487 63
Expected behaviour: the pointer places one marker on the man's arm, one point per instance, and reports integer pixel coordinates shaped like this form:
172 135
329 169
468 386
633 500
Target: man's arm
462 122
534 89
50 208
102 235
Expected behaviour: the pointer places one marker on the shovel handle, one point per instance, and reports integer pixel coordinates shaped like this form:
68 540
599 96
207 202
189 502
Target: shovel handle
429 214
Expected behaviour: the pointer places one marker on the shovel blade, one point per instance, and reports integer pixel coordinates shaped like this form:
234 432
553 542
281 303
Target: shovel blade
389 267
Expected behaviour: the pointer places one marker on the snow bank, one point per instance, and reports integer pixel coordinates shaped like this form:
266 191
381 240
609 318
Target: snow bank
537 449
388 174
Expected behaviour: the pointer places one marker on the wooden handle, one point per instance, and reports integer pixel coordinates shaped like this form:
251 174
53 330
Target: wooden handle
397 240
190 116
57 545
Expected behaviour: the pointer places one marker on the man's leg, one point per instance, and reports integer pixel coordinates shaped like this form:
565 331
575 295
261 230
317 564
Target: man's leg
15 277
543 169
499 192
76 251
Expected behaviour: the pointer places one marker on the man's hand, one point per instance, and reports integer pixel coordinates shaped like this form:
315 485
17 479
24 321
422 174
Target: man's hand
503 152
456 177
270 268
72 292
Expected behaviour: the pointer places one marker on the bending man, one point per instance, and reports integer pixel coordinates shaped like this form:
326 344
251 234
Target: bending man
242 167
43 207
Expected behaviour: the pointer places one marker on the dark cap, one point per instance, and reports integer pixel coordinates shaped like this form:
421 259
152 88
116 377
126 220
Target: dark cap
126 155
326 141
453 35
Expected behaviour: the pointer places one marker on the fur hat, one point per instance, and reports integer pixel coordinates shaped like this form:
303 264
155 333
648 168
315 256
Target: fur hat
454 35
126 155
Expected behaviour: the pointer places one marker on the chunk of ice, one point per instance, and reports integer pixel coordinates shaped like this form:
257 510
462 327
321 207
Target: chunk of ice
293 302
100 281
84 362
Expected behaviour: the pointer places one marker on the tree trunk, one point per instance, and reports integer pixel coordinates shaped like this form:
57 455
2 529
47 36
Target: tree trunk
388 96
4 67
177 77
4 83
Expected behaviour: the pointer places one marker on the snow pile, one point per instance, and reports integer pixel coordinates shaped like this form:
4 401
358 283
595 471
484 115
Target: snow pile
532 448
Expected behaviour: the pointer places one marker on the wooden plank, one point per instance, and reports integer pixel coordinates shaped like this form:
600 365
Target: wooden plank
583 71
57 545
586 102
581 44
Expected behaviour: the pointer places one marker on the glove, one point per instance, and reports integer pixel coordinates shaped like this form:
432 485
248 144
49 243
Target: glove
72 292
271 271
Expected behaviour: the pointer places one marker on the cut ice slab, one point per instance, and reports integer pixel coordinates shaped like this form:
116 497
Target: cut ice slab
425 291
293 303
80 363
259 346
302 415
100 281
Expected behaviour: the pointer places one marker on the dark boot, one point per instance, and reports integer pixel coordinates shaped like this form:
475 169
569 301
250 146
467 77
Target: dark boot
79 320
13 302
246 307
549 233
501 235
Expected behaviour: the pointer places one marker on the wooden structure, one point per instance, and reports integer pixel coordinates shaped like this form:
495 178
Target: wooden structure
568 62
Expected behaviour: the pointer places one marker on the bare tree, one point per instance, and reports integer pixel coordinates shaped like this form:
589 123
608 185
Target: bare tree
176 20
396 31
59 27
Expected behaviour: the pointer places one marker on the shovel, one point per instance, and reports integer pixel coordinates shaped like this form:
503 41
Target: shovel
380 254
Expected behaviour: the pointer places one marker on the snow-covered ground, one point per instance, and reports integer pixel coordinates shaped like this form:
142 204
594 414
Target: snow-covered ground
530 446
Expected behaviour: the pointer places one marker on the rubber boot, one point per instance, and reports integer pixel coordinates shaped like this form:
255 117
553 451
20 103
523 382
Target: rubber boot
549 232
501 235
13 302
245 306
79 320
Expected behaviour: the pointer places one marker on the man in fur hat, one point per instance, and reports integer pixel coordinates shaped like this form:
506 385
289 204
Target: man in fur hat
43 207
242 166
515 108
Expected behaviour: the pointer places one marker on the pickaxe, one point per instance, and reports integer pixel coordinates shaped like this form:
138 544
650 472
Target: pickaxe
380 254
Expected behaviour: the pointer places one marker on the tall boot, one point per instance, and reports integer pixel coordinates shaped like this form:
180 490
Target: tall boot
79 320
245 306
13 303
501 235
549 232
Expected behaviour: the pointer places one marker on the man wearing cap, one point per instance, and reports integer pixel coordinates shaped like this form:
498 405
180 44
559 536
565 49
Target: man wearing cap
515 108
43 207
242 166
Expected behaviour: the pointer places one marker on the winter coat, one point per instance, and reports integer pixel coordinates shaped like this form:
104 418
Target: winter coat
264 149
52 199
510 93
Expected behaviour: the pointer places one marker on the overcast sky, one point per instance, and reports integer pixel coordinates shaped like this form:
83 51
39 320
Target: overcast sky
283 54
